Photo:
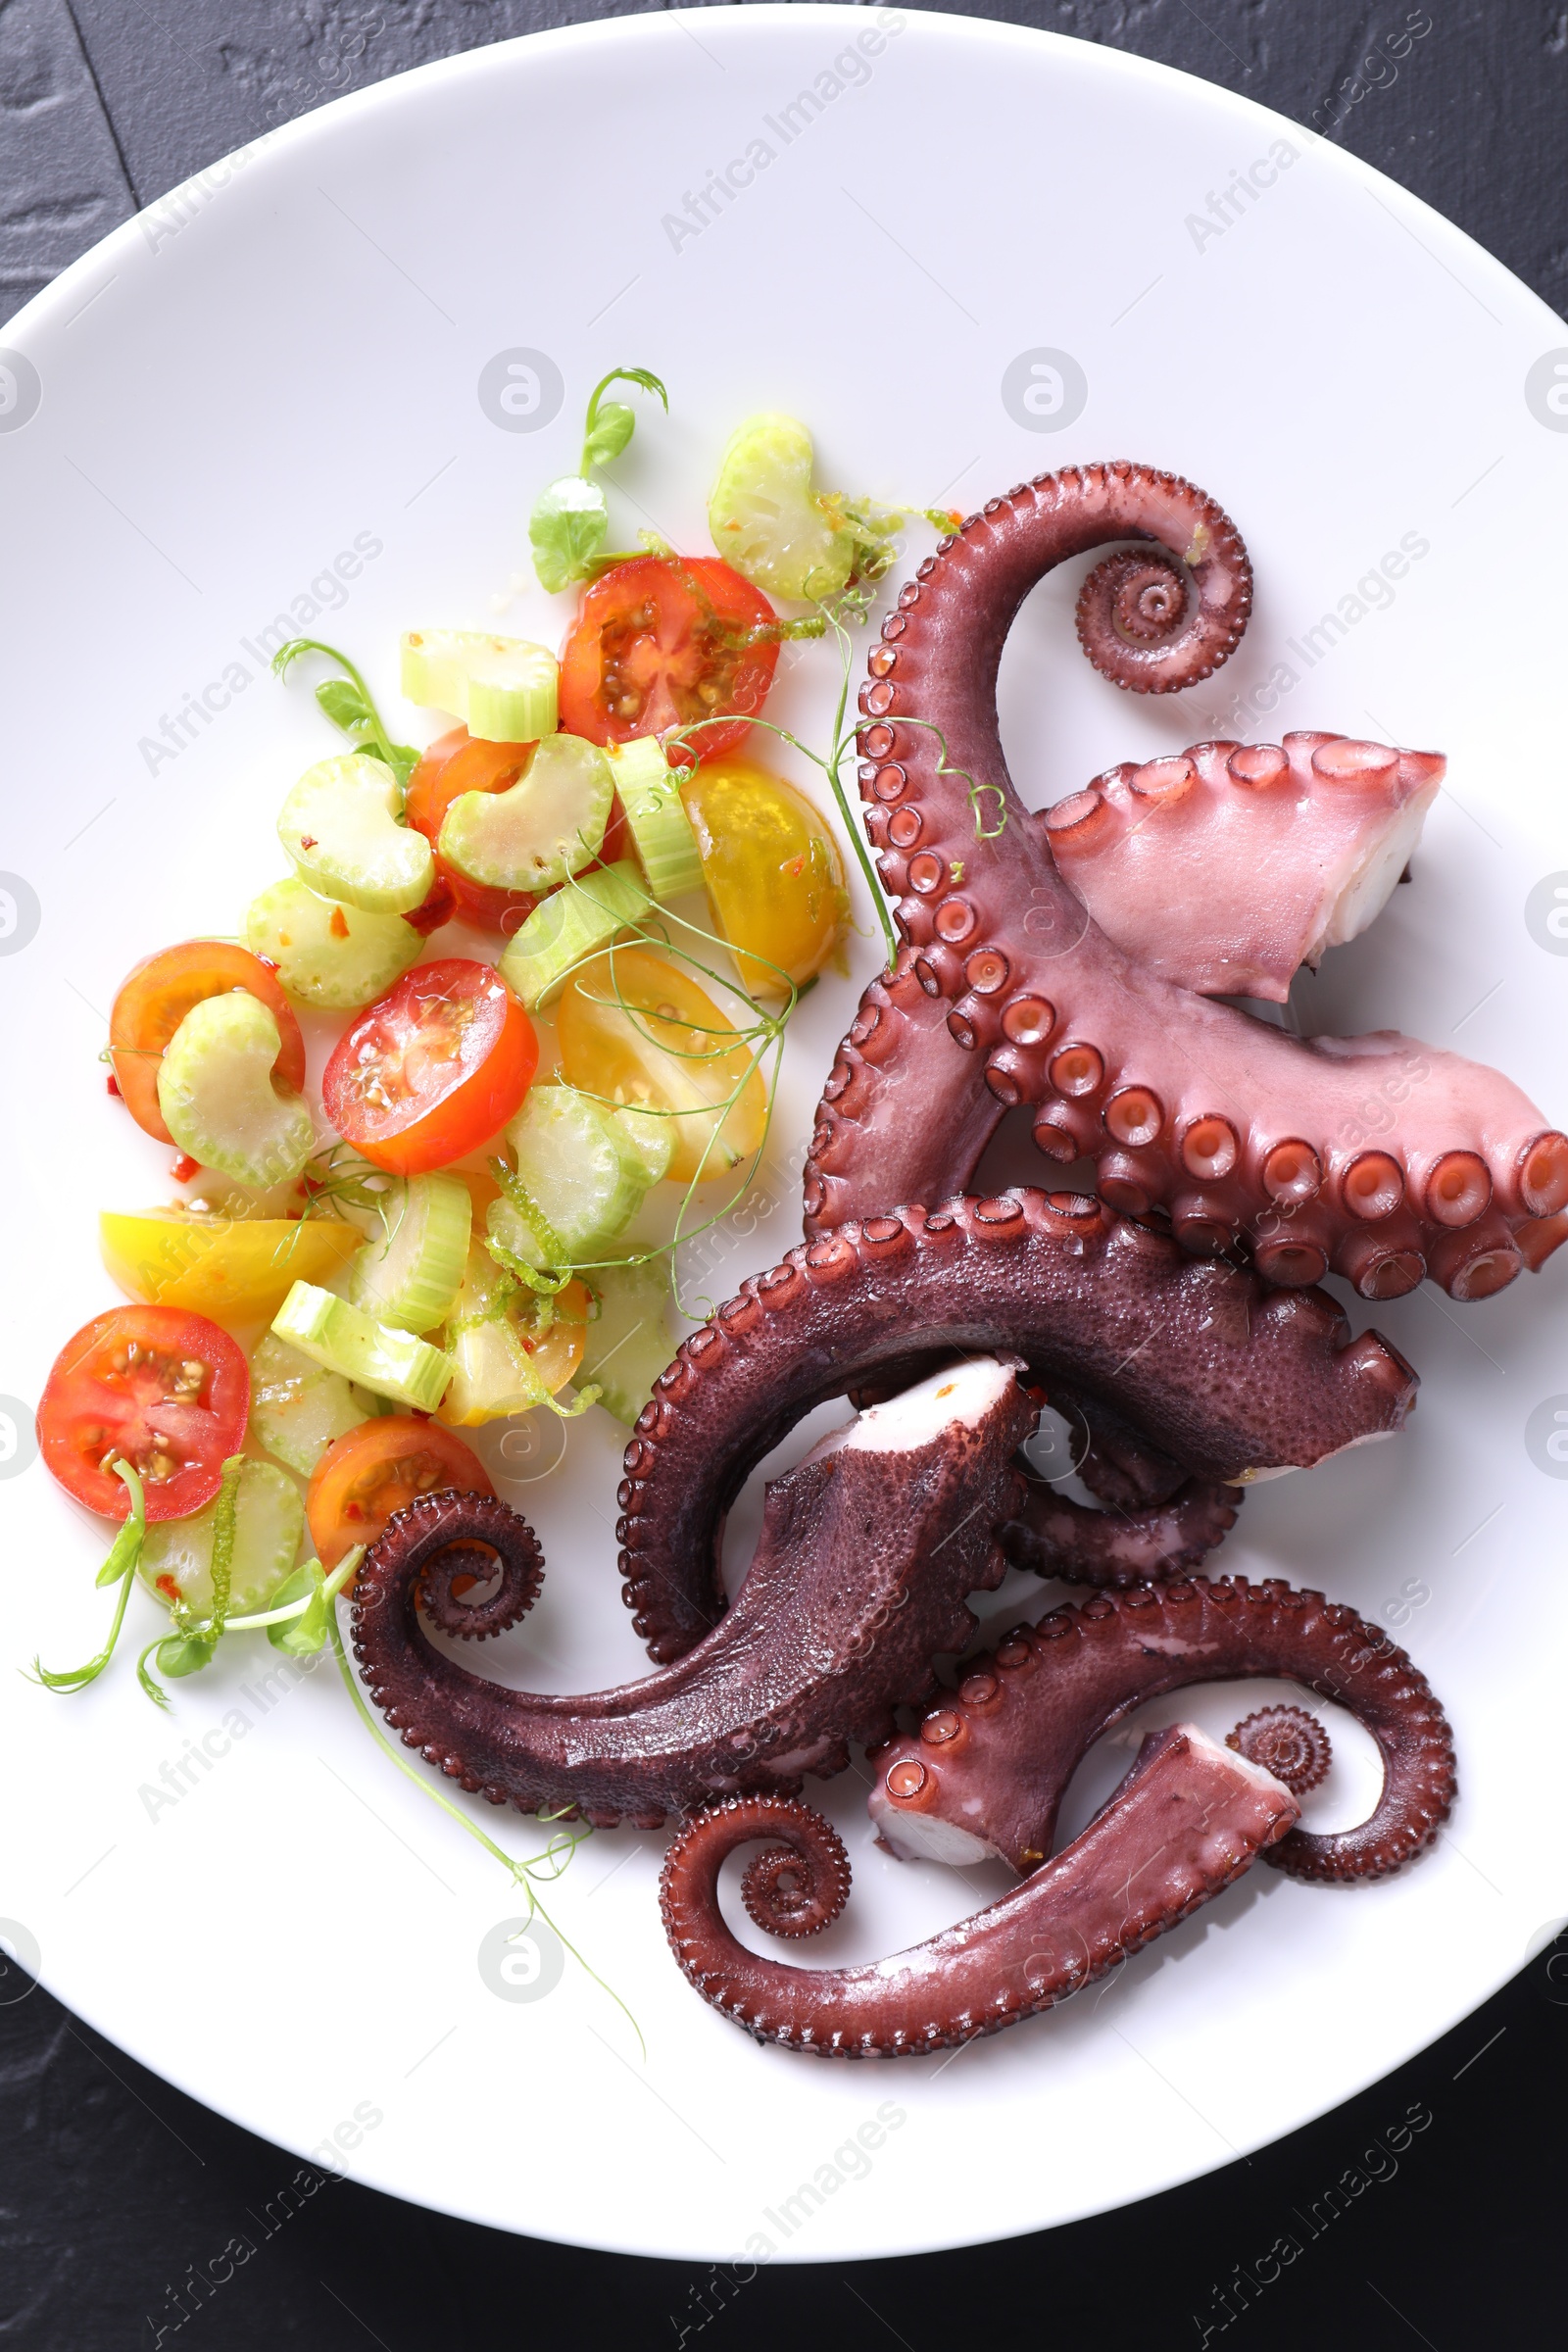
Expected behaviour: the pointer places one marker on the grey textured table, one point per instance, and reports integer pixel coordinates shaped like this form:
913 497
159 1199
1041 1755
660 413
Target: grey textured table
1425 2211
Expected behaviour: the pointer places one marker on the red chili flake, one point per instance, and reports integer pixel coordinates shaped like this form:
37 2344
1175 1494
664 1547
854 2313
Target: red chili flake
439 906
110 1086
306 841
167 1588
184 1169
338 926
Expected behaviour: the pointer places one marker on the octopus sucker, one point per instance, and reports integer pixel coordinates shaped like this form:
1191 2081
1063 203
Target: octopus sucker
1072 960
986 1771
1188 1818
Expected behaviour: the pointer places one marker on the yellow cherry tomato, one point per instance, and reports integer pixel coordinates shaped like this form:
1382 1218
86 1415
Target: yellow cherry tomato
633 1027
234 1269
505 1346
772 871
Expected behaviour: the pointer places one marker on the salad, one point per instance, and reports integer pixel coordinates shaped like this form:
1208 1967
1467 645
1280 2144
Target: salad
519 1124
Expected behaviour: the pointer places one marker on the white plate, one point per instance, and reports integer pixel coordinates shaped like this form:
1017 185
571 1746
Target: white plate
241 384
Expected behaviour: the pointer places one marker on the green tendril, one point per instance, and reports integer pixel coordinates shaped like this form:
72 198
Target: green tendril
124 1556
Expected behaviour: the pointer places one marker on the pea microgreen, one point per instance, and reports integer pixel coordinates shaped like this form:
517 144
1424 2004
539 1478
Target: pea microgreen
120 1568
350 705
571 518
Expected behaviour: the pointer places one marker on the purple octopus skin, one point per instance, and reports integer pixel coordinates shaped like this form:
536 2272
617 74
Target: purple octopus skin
1287 1742
1057 1536
1224 1377
986 1771
1188 1818
868 1549
1376 1157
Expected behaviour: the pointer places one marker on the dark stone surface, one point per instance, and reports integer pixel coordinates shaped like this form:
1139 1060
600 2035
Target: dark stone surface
62 183
113 2186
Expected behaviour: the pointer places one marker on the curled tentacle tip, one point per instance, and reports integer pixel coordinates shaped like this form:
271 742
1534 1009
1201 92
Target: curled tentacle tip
1287 1742
791 1893
454 1542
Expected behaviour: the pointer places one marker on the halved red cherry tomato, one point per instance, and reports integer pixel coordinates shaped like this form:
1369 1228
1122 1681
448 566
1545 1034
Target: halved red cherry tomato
372 1471
457 762
157 996
167 1390
661 641
431 1069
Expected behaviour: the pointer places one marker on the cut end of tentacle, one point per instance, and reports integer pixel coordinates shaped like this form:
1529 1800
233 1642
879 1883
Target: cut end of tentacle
1167 857
1287 1742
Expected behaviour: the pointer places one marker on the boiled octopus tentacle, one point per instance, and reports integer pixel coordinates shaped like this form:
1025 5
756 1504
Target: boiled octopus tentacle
1057 1536
1188 1818
987 1770
1223 1376
1259 857
867 1551
1378 1156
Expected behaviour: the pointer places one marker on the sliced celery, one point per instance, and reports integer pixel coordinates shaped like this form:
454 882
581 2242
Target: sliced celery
176 1556
219 1099
652 1138
327 953
569 926
503 688
340 825
298 1407
547 825
628 1341
579 1169
331 1332
657 818
408 1271
768 522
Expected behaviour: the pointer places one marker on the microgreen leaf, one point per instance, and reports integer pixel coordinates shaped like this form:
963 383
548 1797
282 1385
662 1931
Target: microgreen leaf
302 1635
350 705
179 1654
344 706
566 530
610 423
609 434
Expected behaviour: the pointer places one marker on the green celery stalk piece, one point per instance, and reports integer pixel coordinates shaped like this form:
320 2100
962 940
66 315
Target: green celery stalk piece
394 1363
656 816
504 689
628 1341
340 825
219 1096
568 927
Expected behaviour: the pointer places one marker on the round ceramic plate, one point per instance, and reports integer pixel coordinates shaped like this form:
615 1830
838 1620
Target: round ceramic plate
289 397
